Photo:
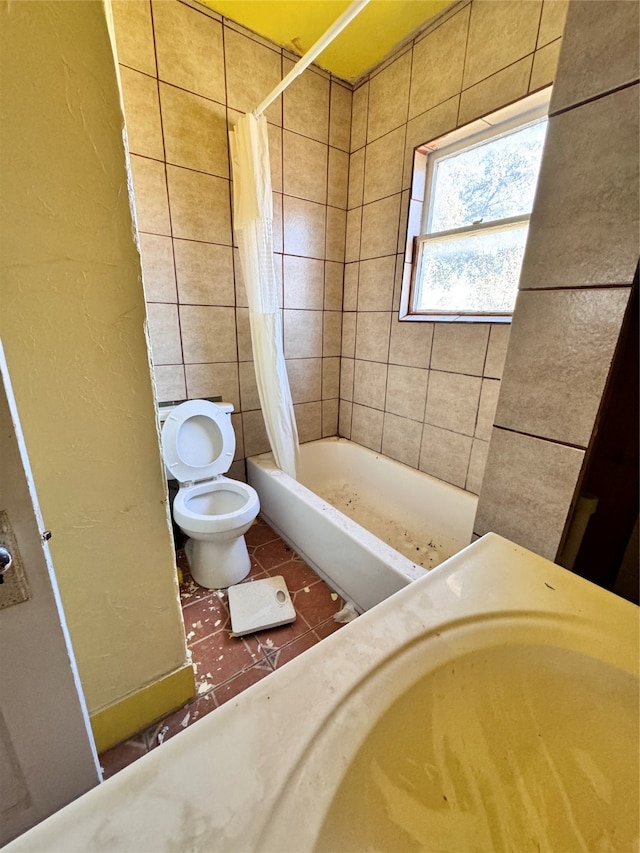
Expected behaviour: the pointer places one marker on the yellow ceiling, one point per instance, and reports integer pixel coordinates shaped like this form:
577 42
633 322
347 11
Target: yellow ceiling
298 24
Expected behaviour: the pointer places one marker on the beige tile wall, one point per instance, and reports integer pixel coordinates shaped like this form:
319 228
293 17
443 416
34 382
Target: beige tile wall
426 393
423 393
579 264
186 76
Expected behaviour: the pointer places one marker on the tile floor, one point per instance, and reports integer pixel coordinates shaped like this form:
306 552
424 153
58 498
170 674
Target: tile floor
224 665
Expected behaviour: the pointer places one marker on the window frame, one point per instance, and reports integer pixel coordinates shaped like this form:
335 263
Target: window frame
521 114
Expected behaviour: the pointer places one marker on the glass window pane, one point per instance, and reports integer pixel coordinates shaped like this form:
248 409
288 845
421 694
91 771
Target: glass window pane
494 180
471 274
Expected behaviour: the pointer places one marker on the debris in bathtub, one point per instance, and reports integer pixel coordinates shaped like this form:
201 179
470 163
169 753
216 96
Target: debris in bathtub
347 614
191 634
205 687
549 585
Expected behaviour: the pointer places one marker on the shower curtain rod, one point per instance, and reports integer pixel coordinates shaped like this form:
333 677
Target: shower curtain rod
334 30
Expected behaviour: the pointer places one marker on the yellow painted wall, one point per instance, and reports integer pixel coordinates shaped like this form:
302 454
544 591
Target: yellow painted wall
72 321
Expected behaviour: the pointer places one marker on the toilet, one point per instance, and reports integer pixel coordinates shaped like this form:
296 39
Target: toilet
213 511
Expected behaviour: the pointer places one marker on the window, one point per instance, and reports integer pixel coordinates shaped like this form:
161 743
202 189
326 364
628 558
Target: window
472 195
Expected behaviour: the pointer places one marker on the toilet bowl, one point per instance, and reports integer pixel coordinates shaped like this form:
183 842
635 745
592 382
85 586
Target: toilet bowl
213 511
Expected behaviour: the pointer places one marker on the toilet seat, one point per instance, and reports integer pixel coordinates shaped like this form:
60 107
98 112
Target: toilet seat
198 442
191 512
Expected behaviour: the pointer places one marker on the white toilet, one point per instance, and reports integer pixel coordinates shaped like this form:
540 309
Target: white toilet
198 443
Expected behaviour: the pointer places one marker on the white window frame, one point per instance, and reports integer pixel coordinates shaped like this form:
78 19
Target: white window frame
519 115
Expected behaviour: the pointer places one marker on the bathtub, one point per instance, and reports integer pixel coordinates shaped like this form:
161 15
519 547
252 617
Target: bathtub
490 706
368 525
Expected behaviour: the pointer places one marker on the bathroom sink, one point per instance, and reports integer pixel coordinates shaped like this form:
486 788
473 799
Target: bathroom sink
491 705
508 728
506 743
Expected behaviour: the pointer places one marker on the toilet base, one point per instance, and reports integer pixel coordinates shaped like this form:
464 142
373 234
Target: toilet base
217 565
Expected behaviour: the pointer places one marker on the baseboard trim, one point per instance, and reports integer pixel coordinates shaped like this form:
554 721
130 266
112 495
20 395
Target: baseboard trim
135 712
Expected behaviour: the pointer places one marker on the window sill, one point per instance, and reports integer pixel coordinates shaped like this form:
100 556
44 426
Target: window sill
455 318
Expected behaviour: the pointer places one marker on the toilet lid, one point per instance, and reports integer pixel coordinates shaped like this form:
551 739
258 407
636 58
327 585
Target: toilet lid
198 441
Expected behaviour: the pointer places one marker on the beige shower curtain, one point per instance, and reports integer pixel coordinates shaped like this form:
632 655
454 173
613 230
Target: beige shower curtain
253 217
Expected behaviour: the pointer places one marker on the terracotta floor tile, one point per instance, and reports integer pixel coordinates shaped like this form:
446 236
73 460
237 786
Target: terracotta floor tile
177 722
120 756
259 534
325 629
274 638
317 603
204 617
298 558
256 572
273 554
190 591
219 657
230 689
225 666
297 575
278 657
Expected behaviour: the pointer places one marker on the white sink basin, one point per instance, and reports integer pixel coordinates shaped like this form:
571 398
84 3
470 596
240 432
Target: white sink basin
492 705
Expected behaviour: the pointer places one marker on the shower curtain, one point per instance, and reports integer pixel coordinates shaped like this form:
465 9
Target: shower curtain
253 215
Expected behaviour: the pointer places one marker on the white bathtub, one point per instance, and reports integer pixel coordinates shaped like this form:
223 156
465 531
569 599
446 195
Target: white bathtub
367 524
490 706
